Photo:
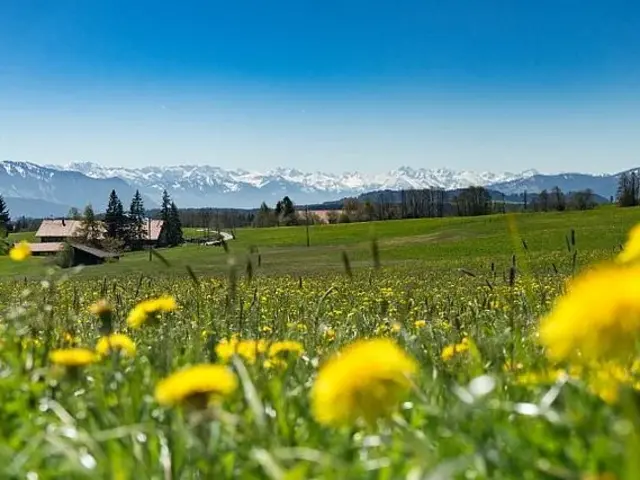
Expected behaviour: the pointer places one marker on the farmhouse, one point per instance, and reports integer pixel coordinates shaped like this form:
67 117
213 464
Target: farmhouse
54 234
85 255
62 230
58 230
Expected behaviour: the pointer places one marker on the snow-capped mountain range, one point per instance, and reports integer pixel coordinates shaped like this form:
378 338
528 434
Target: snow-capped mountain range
77 184
203 178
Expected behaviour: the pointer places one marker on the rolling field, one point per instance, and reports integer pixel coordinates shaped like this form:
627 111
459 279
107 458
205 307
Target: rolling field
429 243
453 381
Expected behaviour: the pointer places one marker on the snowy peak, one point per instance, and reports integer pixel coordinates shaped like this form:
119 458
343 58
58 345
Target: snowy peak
79 183
184 176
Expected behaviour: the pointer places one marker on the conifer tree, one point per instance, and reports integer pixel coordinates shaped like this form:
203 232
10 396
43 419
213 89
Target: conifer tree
4 217
172 228
177 237
137 227
114 219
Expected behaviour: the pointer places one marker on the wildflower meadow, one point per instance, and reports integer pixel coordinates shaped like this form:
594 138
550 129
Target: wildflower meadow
524 369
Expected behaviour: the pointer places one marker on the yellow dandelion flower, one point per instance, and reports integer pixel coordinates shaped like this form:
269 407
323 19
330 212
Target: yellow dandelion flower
100 307
606 379
20 251
330 334
510 366
116 342
540 378
420 323
631 250
225 349
137 316
73 357
274 363
599 316
196 385
367 380
143 310
248 350
450 351
287 347
166 303
68 338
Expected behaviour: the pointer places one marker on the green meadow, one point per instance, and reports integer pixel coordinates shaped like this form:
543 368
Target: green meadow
462 298
472 242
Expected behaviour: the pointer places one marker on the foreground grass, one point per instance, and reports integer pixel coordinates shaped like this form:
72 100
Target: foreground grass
105 423
480 413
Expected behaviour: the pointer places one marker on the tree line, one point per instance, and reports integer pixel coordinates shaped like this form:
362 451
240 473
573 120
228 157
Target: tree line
119 230
628 193
422 203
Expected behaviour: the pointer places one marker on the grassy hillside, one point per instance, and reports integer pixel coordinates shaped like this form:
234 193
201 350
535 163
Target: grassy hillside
485 399
422 243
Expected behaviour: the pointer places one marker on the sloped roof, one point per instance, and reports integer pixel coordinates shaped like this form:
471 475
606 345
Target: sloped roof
96 252
71 228
58 228
46 247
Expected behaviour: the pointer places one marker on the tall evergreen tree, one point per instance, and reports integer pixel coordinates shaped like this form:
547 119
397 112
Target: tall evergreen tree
177 238
289 216
172 227
137 227
114 219
4 217
165 210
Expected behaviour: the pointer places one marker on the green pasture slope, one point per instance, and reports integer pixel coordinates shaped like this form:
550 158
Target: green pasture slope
458 242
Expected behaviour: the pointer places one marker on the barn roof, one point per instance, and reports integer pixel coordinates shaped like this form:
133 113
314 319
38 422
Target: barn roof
71 228
96 252
46 247
58 228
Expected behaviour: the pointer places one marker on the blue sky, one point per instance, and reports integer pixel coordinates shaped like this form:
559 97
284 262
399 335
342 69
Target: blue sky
323 85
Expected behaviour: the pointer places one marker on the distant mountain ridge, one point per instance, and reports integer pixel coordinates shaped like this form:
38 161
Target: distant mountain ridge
45 190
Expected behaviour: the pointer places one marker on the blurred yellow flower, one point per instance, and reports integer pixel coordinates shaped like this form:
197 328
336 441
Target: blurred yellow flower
69 338
367 380
143 310
116 342
196 385
100 307
248 350
73 357
598 317
449 351
330 334
631 250
420 323
540 378
510 366
20 251
273 363
285 347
